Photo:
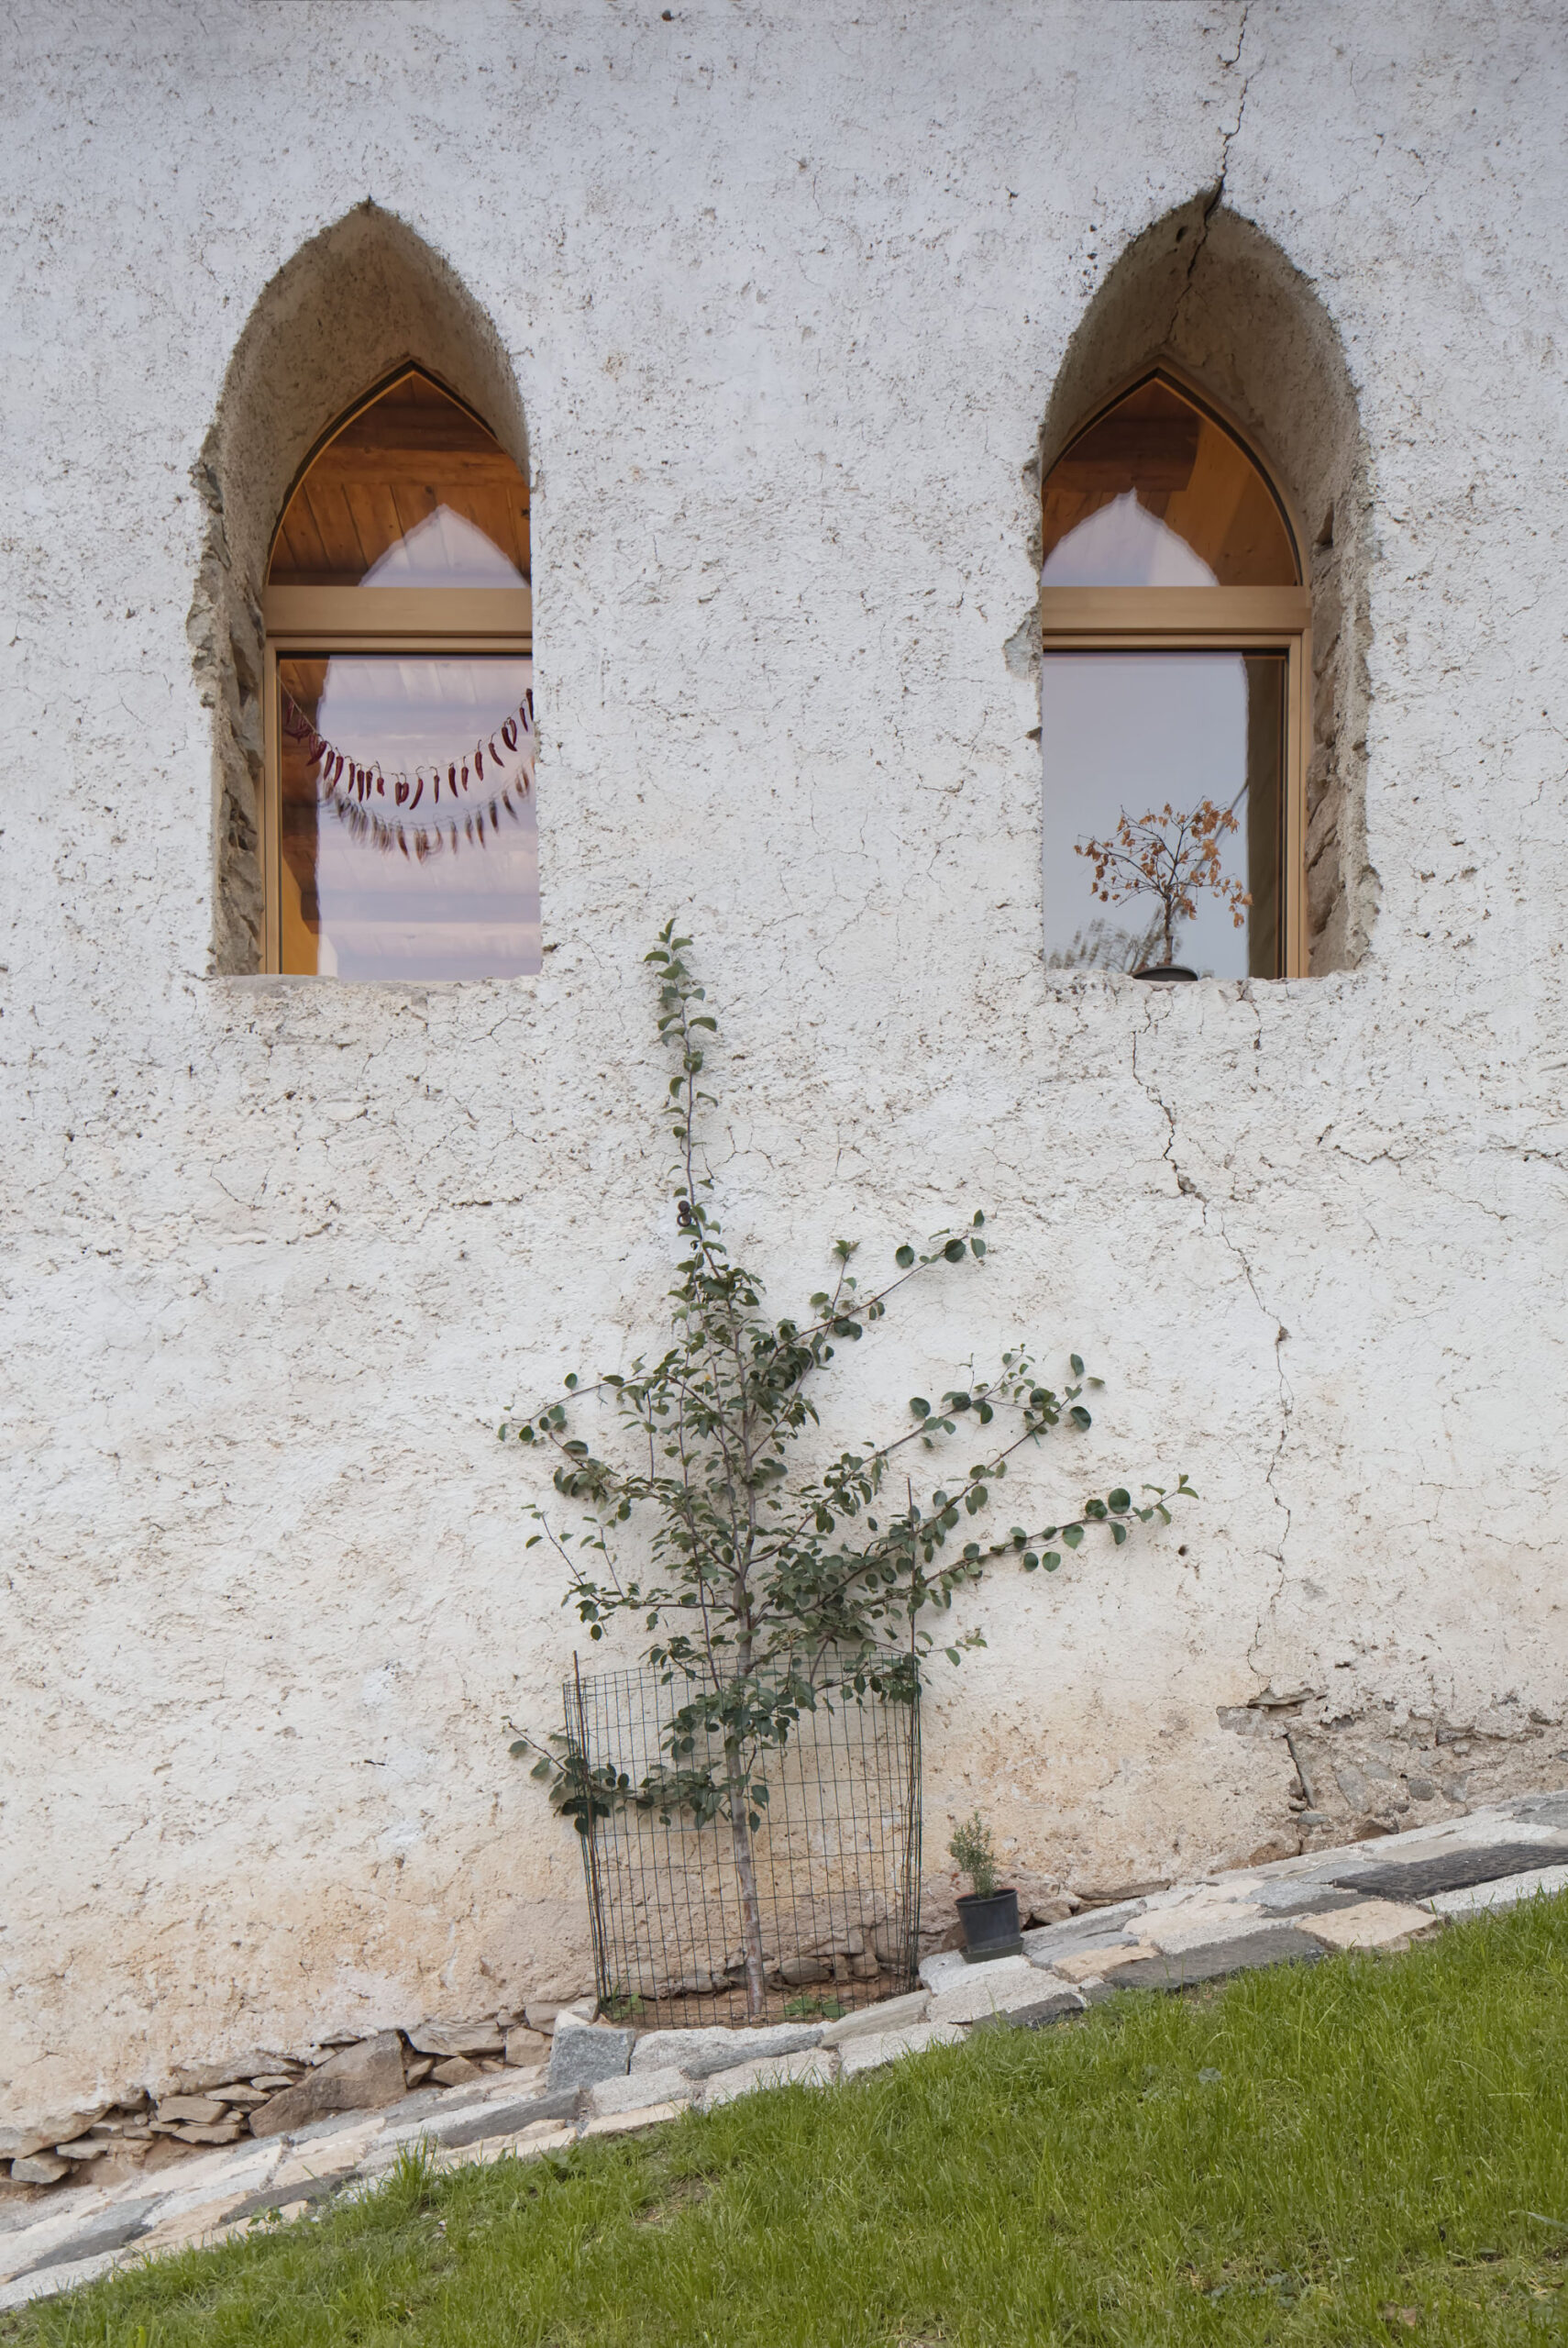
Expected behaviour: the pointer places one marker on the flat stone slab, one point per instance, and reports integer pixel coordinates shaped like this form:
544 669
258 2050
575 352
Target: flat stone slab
1096 1928
1048 2005
1453 1871
1474 1899
1098 1964
700 2052
638 2091
950 1965
618 2124
1541 1809
874 2048
813 2067
1277 1944
1201 1925
48 2282
503 2118
110 2229
582 2055
1300 1899
870 2021
1371 1924
1013 1983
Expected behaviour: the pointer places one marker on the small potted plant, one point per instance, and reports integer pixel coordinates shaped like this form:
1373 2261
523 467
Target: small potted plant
1172 857
989 1916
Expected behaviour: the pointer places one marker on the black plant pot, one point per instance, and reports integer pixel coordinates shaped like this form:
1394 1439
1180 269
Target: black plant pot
1167 971
990 1926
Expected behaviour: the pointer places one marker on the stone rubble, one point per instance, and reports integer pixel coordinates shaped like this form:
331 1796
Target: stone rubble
230 2145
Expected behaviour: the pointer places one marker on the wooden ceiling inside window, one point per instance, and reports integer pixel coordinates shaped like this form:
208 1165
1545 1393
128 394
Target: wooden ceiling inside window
396 464
1190 472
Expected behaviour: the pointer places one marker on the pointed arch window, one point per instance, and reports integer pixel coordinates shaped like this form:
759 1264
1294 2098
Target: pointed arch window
1176 663
399 830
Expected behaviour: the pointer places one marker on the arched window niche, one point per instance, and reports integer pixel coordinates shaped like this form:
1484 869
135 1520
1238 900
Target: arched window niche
1202 597
362 626
398 832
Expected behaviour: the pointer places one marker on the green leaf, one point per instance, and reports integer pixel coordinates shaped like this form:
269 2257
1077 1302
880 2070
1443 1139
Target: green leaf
976 1246
954 1251
1073 1534
1051 1560
1120 1500
1079 1416
541 1768
904 1256
979 1218
920 1406
1118 1533
1076 1362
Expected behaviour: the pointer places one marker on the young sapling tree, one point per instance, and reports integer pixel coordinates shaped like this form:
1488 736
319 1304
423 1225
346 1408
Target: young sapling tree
772 1579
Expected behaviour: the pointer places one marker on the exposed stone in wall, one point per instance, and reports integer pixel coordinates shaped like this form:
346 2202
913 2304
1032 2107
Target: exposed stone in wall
1388 1767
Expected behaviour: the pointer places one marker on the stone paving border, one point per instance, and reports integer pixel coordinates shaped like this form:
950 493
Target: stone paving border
602 2080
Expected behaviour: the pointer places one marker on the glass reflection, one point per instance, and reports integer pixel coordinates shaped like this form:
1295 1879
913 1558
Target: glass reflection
1129 732
392 865
1157 494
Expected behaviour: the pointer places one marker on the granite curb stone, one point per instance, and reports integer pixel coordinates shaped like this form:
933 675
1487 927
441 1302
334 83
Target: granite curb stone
1504 1892
1046 2006
1371 1924
997 1989
812 2068
874 2048
583 2053
893 2013
638 2091
1244 1953
699 2053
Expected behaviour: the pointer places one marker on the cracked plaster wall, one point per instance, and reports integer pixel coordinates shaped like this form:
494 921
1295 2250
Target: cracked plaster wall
786 298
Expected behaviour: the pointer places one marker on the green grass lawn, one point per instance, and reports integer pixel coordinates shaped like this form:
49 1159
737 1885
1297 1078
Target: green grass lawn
1370 2150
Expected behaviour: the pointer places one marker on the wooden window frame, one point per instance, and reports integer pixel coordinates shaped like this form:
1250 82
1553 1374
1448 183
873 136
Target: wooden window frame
321 621
1213 619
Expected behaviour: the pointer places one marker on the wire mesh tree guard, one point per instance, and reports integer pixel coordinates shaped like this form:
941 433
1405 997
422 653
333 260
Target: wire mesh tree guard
825 1855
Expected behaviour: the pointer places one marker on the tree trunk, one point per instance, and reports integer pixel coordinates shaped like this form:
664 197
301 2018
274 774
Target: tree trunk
745 1877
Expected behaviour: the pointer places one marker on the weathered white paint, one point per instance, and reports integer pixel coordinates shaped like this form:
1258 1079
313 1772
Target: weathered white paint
786 293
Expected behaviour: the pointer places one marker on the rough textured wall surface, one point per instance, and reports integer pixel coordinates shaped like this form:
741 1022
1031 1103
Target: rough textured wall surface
786 294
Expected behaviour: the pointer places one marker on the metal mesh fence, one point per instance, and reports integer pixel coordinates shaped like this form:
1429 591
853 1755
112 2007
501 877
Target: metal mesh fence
835 1857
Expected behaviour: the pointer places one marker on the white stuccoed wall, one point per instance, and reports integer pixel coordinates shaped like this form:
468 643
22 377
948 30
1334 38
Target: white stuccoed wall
785 291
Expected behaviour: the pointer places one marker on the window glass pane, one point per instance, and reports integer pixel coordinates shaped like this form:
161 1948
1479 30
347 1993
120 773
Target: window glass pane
1127 735
391 866
1157 494
414 491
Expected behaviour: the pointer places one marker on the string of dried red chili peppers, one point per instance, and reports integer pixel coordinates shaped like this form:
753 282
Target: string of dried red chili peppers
351 787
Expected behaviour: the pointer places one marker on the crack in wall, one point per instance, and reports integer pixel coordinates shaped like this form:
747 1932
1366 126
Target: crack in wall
1216 195
1190 1189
